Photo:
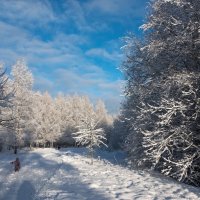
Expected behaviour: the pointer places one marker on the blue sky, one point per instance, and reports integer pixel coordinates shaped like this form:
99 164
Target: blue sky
71 46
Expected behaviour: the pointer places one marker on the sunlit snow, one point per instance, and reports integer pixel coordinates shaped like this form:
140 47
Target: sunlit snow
67 174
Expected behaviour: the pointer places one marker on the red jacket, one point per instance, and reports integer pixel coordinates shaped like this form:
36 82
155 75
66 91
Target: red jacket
17 164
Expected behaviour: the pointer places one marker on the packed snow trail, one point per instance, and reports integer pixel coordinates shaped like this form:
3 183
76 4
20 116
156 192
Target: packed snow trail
49 174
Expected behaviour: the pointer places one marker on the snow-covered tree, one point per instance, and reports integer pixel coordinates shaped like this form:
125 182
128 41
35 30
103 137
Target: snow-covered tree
105 120
22 81
5 99
138 79
118 133
172 143
89 133
90 136
5 108
46 119
101 111
162 91
173 35
64 107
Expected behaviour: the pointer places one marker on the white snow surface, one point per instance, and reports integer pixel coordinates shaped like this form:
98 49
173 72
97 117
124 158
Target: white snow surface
67 174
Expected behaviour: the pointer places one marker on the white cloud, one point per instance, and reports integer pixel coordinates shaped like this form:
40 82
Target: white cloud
67 68
116 86
75 12
40 13
103 53
27 12
17 42
116 7
104 6
91 83
74 80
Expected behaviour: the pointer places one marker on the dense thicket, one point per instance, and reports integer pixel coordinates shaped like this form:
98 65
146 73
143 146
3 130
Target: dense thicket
161 111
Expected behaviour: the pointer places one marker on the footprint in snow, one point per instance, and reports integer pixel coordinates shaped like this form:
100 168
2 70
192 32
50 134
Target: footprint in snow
93 185
129 184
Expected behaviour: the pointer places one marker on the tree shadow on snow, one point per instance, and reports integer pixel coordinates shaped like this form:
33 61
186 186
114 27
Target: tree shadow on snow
64 182
76 188
112 157
26 191
60 181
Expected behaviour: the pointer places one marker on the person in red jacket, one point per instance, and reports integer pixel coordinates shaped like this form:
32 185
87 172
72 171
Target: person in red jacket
16 164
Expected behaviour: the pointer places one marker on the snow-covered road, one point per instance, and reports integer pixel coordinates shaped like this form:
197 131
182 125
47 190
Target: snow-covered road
52 174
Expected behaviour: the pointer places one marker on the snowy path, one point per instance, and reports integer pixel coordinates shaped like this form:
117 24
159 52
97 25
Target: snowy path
48 174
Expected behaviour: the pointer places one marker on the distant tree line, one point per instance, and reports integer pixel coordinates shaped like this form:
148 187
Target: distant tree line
32 118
